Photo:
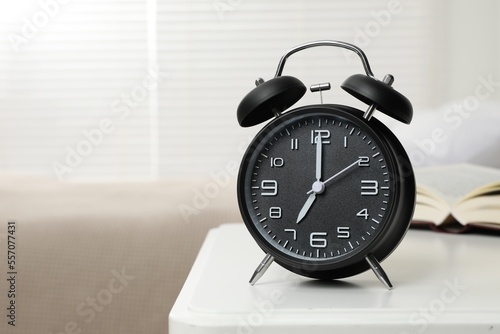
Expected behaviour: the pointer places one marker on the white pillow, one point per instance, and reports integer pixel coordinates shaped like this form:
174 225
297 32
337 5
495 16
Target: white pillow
454 133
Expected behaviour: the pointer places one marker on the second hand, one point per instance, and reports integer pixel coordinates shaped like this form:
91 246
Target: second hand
334 176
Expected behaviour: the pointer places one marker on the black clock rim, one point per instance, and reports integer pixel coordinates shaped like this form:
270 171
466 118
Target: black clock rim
389 236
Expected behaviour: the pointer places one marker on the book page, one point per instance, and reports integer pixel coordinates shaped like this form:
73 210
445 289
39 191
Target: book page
482 209
454 182
430 207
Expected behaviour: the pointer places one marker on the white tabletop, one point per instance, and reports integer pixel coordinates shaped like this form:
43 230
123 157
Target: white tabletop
442 283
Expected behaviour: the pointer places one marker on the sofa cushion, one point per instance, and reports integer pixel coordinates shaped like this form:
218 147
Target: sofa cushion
104 257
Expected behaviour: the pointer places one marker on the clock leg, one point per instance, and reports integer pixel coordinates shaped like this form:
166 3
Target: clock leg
379 272
261 269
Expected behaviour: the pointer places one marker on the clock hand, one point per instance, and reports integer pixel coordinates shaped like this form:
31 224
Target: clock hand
342 171
317 186
334 176
306 207
319 148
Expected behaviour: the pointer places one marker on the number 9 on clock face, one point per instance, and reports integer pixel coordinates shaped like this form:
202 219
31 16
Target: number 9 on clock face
320 189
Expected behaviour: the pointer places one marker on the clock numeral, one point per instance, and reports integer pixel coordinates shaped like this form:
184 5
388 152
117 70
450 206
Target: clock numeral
291 230
324 134
294 144
345 141
369 188
343 232
364 162
363 213
277 162
275 212
316 241
271 186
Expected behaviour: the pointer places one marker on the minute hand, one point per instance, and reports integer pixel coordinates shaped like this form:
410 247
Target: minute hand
319 149
336 175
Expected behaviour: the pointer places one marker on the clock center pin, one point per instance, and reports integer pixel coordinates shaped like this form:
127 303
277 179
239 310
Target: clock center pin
318 187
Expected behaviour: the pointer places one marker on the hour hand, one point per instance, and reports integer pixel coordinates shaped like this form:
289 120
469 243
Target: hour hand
306 207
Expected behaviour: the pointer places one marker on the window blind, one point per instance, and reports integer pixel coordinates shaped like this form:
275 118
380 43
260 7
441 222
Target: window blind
124 89
216 49
71 104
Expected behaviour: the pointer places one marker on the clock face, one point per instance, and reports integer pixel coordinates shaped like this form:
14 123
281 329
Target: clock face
318 186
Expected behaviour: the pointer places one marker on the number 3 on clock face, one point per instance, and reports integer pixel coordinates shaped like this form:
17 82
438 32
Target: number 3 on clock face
320 189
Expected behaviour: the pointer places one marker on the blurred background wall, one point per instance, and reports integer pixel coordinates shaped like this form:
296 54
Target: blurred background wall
146 89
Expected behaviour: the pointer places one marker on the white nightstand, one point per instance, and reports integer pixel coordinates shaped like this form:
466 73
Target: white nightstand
443 283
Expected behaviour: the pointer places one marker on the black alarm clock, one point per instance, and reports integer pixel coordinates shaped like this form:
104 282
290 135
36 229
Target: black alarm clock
327 190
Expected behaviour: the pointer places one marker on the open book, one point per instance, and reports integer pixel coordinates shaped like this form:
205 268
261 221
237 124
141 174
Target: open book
457 198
